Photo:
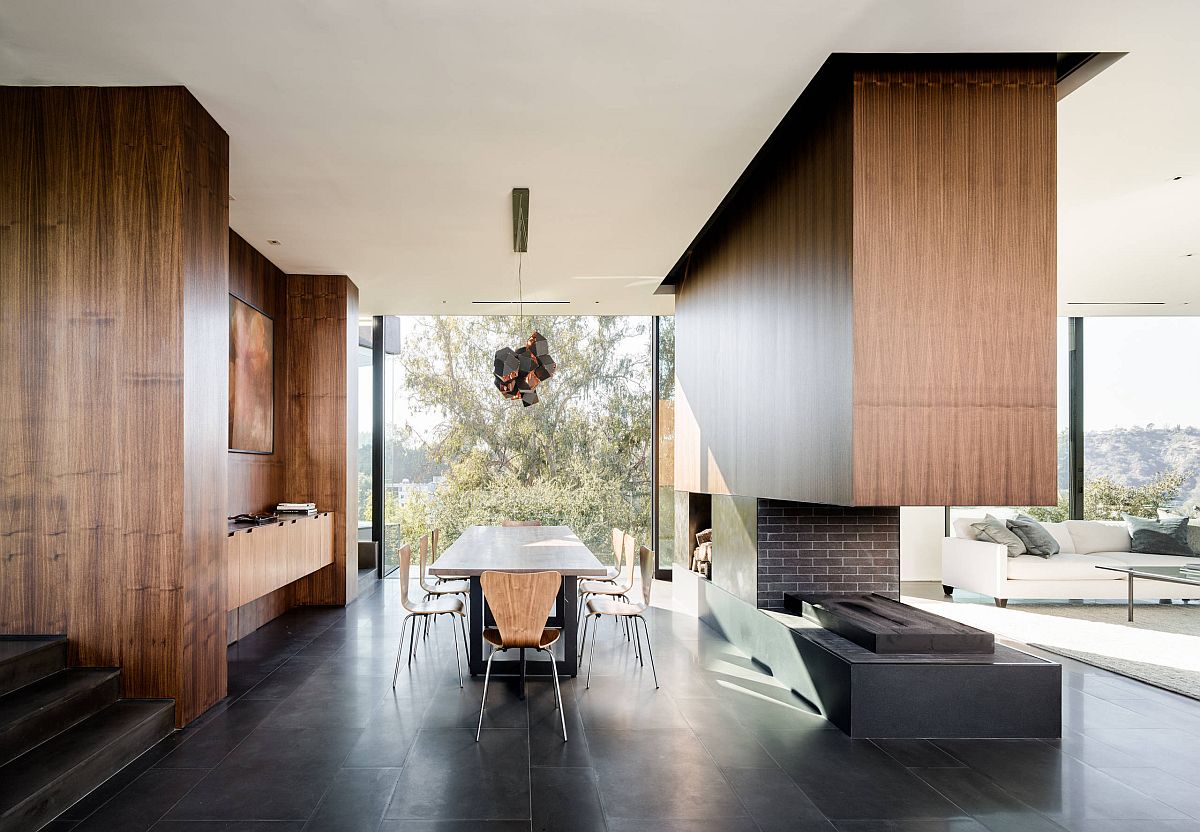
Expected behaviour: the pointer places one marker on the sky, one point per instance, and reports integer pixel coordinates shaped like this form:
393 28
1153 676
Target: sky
1140 370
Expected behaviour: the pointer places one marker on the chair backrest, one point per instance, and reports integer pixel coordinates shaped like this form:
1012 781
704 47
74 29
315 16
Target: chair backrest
424 558
434 536
646 569
629 546
520 603
405 569
516 523
618 546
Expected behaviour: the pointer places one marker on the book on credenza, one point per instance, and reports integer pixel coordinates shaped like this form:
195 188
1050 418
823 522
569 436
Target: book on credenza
307 509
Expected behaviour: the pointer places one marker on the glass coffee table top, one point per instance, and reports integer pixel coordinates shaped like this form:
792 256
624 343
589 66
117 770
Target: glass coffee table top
1170 574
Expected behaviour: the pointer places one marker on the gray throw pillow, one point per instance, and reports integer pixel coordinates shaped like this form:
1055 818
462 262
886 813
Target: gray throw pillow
1033 534
991 530
1165 536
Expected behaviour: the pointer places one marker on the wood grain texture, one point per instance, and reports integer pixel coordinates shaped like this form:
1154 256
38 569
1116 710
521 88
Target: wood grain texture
262 560
954 284
519 602
322 422
869 317
113 216
763 320
257 482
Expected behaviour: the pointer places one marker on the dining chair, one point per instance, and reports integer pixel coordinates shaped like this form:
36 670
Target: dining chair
518 523
620 585
600 605
427 609
460 586
434 537
520 603
618 550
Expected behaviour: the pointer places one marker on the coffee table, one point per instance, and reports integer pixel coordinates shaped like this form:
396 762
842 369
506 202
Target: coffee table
1170 574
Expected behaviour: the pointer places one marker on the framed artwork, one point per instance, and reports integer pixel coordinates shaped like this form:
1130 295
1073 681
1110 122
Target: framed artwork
251 379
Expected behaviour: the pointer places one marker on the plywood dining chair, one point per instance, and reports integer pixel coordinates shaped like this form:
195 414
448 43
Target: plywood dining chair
619 586
601 605
435 536
461 586
520 603
510 524
427 609
618 551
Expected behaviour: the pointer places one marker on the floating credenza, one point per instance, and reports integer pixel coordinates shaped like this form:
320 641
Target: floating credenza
261 559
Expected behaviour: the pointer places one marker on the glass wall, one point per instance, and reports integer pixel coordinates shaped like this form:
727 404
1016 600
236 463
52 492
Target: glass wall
1141 416
458 454
664 545
366 388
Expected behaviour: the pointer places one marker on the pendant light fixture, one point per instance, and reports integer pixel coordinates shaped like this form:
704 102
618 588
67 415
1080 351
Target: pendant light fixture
518 372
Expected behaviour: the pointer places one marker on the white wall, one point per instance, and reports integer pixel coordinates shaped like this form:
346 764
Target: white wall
921 531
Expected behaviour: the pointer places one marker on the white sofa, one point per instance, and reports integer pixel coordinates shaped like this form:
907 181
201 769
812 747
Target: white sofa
985 568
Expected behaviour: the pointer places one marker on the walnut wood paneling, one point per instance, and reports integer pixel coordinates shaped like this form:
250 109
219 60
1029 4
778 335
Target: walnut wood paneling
763 320
113 216
954 285
868 319
323 420
257 481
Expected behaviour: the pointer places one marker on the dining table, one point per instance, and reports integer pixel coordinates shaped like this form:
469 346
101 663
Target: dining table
521 549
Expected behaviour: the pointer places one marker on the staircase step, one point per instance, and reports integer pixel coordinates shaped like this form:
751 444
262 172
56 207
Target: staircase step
25 659
41 783
36 712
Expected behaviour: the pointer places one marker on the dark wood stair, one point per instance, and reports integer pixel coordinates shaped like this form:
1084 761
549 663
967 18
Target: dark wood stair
64 731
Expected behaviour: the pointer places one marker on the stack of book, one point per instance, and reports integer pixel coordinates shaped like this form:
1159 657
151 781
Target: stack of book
308 509
1190 570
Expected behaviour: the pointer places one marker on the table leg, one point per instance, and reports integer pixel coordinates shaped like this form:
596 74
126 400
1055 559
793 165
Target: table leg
475 660
1131 599
570 612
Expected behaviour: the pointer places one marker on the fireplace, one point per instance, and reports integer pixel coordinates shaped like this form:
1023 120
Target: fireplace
763 549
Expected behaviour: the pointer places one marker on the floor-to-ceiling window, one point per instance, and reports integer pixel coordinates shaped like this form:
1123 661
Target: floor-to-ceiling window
664 442
457 453
1141 416
366 388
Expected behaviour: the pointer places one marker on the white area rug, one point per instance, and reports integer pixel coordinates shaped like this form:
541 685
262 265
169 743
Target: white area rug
1161 647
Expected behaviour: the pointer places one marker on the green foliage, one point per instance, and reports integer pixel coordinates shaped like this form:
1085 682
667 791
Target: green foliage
578 458
1106 499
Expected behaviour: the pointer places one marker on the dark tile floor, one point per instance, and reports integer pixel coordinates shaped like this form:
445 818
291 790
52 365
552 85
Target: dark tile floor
313 737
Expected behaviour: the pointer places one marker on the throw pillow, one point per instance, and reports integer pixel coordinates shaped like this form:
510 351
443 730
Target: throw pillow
1167 536
991 530
1033 534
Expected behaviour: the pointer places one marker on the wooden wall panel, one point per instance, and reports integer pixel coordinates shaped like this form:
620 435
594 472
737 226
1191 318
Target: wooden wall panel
257 481
868 318
323 421
113 211
955 285
763 321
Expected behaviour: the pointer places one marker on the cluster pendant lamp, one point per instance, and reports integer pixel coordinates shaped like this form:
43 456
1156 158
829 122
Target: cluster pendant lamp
518 372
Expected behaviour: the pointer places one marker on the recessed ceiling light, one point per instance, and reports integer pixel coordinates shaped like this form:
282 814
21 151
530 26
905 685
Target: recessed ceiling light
273 243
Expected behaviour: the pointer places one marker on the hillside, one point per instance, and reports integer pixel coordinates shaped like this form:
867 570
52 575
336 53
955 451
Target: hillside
1135 455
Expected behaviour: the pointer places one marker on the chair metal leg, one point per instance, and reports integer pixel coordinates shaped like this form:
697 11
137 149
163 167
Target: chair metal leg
462 622
412 642
457 660
653 670
400 650
637 646
562 715
487 675
589 676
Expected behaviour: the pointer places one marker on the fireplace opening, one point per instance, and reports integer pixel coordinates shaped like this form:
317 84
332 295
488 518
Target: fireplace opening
699 539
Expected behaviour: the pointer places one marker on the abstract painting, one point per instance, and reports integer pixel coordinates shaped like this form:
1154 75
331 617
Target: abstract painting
251 379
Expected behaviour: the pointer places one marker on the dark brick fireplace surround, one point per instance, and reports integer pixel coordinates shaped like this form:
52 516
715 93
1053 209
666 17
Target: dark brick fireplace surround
805 547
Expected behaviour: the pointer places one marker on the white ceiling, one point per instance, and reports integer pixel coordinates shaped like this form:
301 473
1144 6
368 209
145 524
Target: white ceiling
381 138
